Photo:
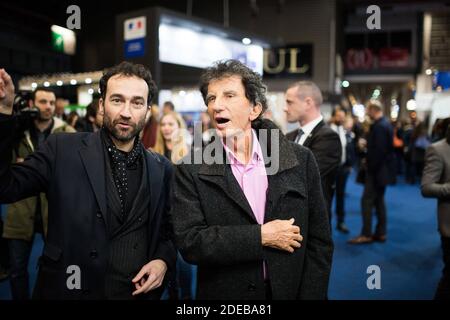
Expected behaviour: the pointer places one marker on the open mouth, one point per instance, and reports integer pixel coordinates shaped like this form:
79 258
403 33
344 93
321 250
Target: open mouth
124 124
221 120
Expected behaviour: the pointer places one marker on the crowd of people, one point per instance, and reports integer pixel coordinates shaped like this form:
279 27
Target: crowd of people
236 229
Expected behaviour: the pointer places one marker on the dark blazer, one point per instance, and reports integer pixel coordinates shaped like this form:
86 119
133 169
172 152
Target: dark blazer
325 144
215 227
380 152
70 169
436 181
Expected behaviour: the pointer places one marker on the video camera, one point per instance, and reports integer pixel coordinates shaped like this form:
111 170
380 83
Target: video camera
22 107
24 113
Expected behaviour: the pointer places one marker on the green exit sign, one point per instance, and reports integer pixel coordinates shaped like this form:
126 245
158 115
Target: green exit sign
63 40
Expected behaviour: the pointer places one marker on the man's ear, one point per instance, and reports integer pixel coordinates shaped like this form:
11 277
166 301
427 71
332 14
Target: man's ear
309 101
101 107
255 111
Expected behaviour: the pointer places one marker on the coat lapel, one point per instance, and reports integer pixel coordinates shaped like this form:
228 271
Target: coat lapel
93 160
222 176
278 184
311 135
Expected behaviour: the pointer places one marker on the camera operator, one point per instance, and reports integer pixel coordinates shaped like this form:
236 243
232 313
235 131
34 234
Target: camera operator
27 217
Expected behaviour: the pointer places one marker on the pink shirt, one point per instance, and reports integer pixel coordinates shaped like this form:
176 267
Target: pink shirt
252 178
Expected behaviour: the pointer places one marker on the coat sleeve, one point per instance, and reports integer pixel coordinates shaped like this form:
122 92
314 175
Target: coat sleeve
328 152
201 243
434 167
165 249
28 178
319 247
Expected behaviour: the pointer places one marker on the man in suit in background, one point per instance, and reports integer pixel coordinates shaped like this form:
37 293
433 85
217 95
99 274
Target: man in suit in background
436 184
380 173
108 198
303 100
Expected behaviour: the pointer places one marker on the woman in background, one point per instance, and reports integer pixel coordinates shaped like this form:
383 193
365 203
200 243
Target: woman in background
171 142
171 138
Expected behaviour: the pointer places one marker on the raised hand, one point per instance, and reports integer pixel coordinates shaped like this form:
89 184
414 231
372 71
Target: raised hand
6 93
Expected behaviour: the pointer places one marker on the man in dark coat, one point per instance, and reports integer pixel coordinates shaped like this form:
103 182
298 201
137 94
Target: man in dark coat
303 100
107 197
436 184
250 213
380 172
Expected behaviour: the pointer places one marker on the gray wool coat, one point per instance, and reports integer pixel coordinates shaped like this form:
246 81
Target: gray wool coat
436 181
215 228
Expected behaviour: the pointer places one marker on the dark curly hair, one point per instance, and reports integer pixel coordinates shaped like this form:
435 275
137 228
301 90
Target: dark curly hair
255 89
129 69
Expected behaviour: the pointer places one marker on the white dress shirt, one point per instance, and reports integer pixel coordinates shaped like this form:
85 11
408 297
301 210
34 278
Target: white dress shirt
308 128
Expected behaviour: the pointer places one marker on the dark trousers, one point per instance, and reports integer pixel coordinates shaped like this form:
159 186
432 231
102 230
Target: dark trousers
341 182
373 196
443 289
19 252
186 276
399 158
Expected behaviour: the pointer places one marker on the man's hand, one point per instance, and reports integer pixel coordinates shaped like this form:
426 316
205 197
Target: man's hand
6 93
150 277
281 234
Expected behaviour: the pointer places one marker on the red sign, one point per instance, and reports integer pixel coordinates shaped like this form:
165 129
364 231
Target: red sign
359 59
394 58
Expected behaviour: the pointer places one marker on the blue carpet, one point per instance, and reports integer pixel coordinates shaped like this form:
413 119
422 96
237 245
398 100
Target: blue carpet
410 261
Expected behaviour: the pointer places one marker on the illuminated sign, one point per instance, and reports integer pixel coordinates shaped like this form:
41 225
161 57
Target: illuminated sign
63 40
193 48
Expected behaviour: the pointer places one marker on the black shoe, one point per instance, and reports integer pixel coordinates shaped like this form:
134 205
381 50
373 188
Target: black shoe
379 238
342 228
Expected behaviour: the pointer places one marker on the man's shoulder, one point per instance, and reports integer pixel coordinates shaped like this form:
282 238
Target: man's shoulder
441 146
69 137
154 156
325 133
301 153
61 126
291 135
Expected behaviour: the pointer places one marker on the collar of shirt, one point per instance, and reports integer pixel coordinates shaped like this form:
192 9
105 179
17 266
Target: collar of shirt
256 155
309 127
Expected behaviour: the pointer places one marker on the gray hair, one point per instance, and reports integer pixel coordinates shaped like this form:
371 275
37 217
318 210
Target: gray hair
255 90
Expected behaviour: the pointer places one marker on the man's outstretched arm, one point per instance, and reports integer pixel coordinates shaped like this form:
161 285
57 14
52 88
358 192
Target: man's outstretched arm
19 181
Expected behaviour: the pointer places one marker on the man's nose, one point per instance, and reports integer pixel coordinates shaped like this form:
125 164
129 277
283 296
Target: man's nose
217 105
125 111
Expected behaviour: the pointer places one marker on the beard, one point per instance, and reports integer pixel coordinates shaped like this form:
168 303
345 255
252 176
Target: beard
44 116
121 135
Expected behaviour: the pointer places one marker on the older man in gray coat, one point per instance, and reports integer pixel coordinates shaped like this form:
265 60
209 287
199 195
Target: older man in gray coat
254 220
436 184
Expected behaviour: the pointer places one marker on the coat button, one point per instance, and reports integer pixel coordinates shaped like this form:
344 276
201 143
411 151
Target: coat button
135 246
94 254
251 287
99 214
140 219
